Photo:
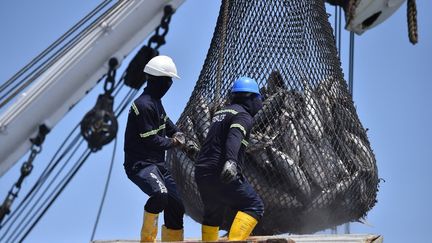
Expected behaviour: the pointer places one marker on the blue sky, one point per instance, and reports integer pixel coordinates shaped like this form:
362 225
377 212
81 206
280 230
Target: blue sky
391 93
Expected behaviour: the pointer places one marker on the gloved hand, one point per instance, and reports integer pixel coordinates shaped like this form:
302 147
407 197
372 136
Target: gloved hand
191 149
179 139
229 172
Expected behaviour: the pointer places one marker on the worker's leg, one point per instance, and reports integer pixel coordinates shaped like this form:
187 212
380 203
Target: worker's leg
149 227
173 213
213 217
241 196
213 208
171 234
242 226
150 180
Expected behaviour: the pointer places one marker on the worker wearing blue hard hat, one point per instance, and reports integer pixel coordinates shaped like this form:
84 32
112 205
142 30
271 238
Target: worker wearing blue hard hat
245 85
218 165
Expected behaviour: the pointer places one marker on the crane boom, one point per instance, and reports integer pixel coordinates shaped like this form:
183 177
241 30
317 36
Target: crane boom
65 82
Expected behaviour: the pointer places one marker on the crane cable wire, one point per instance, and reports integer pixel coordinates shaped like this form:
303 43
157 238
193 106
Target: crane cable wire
120 109
37 186
51 165
105 190
34 205
123 104
77 166
34 213
338 43
65 181
43 65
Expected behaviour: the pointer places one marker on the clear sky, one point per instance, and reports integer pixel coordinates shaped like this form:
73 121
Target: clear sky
391 93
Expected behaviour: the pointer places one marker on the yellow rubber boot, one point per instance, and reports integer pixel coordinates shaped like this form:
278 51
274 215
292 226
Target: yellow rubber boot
242 226
209 233
149 227
171 234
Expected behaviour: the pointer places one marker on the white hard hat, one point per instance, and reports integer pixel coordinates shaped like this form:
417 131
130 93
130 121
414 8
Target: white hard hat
161 66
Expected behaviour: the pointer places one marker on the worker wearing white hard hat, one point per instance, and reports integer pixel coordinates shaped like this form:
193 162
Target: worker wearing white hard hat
161 66
149 133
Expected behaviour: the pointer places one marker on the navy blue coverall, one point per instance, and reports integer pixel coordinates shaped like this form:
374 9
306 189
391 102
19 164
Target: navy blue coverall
226 140
145 146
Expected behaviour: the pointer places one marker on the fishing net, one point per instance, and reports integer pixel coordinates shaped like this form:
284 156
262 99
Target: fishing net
308 157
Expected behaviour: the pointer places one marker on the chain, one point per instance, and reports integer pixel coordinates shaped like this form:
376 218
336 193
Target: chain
99 126
157 38
135 77
26 169
110 80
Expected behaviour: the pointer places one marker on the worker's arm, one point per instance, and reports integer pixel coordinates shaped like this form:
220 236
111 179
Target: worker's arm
240 126
149 127
171 128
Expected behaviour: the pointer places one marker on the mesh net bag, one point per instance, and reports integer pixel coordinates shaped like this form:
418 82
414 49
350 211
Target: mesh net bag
308 157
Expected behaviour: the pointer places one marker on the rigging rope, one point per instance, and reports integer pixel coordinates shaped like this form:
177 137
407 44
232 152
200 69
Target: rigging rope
109 87
105 190
34 210
338 39
60 189
412 21
38 212
338 28
44 175
351 64
225 6
49 55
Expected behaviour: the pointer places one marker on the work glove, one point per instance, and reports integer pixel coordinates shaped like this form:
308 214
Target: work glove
229 172
191 149
179 139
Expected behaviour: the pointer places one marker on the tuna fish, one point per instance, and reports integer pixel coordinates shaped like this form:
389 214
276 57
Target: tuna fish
330 156
346 119
313 121
287 139
201 119
364 158
187 127
260 160
326 100
328 196
293 102
344 153
274 84
361 196
180 165
289 173
265 119
323 173
265 185
258 141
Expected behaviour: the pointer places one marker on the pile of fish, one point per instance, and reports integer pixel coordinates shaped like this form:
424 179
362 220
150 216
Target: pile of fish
308 158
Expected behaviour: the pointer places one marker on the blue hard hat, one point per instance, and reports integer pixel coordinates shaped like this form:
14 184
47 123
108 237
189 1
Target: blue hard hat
245 84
